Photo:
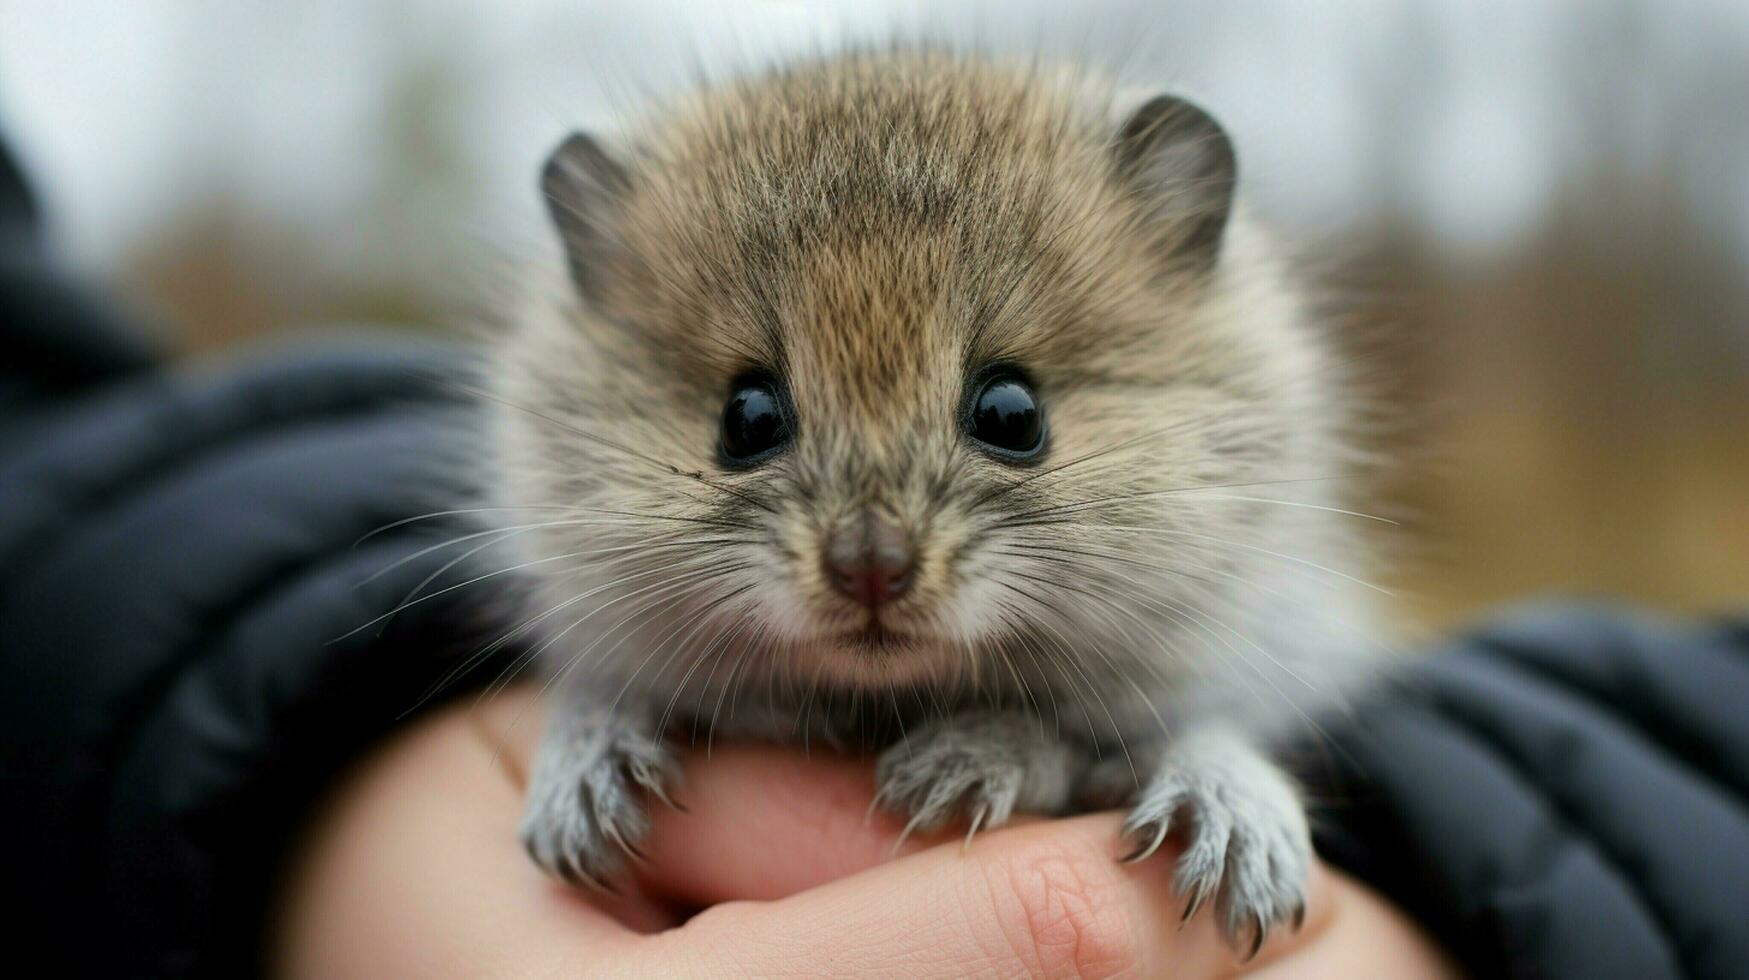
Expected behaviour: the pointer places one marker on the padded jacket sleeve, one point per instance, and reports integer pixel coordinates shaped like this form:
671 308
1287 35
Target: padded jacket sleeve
181 565
1564 793
54 336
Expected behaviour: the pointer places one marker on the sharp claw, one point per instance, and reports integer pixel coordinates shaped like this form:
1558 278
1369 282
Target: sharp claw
1257 934
612 833
916 819
1147 848
567 868
579 876
873 805
599 884
660 792
977 821
1194 905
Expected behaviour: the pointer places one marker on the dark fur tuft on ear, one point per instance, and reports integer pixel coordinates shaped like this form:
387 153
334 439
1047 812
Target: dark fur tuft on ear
584 188
1181 163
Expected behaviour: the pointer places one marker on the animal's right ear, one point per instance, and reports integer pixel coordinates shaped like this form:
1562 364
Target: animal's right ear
585 189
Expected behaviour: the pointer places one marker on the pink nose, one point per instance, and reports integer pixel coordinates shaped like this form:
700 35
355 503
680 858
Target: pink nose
870 561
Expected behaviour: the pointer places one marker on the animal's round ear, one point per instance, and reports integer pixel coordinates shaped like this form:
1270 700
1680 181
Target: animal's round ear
1180 164
584 189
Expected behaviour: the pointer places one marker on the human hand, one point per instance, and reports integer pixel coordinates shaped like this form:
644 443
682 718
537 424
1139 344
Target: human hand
415 869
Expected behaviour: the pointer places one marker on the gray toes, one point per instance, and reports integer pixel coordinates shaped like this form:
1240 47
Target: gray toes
1264 883
585 815
1246 847
1150 820
981 767
946 779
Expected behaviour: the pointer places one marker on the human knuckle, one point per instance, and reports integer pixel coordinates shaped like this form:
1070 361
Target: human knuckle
1062 911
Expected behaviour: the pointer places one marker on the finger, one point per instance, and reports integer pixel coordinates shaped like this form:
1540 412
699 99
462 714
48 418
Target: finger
1362 936
764 822
415 869
1043 899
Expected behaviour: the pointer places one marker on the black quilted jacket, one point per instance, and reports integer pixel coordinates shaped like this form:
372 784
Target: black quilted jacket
1565 794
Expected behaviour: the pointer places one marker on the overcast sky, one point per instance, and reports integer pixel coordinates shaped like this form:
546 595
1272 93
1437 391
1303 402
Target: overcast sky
1466 116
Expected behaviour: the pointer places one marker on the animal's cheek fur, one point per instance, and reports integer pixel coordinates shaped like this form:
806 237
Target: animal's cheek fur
780 611
801 538
975 602
941 545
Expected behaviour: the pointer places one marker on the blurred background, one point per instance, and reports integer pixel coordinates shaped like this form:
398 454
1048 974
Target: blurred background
1535 213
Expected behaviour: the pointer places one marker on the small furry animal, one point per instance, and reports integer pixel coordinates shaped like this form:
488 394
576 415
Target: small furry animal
910 399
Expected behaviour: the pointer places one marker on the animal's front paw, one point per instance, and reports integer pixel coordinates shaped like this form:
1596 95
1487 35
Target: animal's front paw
980 768
584 812
1246 841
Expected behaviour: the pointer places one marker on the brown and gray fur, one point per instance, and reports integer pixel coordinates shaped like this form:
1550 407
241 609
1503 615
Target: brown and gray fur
1125 620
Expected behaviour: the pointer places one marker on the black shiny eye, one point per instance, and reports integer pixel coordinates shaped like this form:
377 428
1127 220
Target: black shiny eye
1006 417
754 426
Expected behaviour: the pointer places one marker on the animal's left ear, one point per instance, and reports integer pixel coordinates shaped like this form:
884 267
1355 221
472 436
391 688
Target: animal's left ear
1180 163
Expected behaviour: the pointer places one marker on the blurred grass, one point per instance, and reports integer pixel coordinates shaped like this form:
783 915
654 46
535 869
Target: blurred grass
1578 414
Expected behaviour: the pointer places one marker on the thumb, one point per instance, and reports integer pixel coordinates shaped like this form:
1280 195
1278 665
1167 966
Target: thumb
1042 899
